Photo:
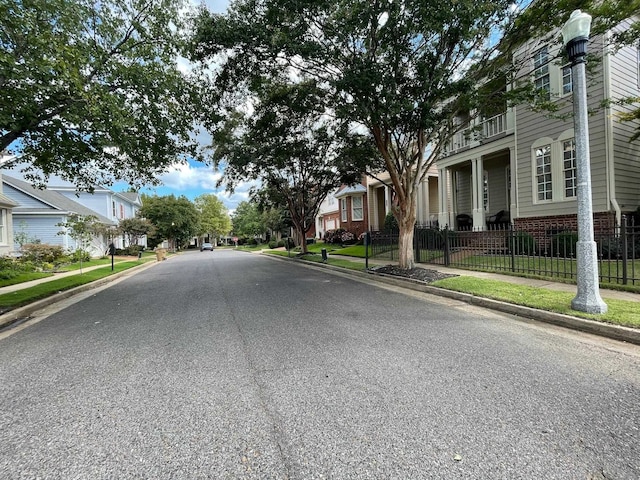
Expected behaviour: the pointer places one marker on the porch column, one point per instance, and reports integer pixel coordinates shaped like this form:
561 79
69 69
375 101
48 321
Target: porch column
513 191
477 186
444 216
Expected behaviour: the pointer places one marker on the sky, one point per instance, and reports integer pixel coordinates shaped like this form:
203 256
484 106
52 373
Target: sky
194 179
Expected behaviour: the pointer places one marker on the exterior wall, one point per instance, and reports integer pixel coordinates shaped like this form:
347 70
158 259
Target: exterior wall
99 202
623 77
42 228
536 128
355 226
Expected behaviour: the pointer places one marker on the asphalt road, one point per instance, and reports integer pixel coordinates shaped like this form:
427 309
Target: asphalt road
230 365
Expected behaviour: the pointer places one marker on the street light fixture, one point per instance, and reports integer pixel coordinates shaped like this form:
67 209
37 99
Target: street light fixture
575 35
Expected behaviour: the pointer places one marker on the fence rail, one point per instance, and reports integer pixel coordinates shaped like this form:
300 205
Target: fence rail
550 253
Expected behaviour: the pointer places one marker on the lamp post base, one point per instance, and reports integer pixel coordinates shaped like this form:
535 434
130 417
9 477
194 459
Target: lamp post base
588 298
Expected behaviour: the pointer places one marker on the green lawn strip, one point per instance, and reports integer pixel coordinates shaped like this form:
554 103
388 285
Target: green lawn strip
620 312
317 258
28 295
23 277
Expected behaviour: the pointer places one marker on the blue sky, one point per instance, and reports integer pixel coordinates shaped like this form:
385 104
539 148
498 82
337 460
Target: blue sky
194 178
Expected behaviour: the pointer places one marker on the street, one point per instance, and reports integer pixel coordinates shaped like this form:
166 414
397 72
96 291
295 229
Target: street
231 365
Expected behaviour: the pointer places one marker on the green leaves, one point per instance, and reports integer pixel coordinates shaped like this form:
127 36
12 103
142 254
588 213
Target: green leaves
91 90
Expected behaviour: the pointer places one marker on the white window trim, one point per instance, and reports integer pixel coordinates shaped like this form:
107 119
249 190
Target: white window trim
343 210
557 169
361 208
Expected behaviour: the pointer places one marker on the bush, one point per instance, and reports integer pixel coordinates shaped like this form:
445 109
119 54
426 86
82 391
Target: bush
40 253
79 256
563 244
340 236
131 250
522 243
390 223
273 244
280 243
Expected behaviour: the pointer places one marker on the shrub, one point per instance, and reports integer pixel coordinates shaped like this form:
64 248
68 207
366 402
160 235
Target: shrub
40 253
273 244
522 243
390 223
340 236
131 250
563 244
280 243
79 255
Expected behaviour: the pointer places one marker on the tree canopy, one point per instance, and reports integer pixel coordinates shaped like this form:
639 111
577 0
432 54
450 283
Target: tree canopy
247 221
174 218
92 91
214 216
401 70
293 146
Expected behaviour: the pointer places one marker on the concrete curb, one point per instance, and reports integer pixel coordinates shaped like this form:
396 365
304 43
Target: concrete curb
26 311
615 332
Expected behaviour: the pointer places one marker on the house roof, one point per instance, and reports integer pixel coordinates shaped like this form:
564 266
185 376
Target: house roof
351 190
55 200
7 202
133 197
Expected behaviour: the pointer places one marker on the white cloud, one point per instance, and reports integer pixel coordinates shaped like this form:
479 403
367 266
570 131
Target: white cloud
184 177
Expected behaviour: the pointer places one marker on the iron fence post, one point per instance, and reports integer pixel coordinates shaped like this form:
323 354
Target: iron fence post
625 249
447 260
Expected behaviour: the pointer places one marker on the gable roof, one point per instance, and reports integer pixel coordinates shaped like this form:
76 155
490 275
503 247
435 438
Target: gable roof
55 200
351 190
132 197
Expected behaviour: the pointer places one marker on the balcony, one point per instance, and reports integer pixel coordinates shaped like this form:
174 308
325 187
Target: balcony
478 132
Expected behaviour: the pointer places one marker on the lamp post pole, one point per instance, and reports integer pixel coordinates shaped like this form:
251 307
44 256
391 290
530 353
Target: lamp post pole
575 35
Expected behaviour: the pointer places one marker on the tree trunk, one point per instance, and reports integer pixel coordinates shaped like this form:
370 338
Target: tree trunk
405 244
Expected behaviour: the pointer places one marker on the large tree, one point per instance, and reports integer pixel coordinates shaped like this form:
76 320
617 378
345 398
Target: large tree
175 219
401 70
214 216
292 144
247 221
91 90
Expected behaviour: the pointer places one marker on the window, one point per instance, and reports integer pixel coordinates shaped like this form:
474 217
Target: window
541 78
554 165
567 81
113 208
543 172
357 212
569 167
3 229
343 209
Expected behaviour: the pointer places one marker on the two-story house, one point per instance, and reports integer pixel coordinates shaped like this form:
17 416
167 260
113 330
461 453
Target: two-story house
517 164
38 212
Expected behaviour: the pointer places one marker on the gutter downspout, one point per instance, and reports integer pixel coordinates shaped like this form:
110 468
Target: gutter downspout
608 130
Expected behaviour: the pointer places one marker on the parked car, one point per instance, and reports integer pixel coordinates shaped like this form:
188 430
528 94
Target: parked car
206 246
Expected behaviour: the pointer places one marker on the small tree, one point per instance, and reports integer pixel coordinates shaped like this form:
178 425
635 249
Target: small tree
82 229
133 229
21 236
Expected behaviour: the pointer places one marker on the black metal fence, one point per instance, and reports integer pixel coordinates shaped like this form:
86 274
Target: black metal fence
547 253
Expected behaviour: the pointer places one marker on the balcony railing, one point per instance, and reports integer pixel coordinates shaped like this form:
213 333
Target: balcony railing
477 131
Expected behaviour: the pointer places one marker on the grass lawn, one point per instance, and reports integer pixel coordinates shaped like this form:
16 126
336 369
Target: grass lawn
619 312
23 277
315 257
28 295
